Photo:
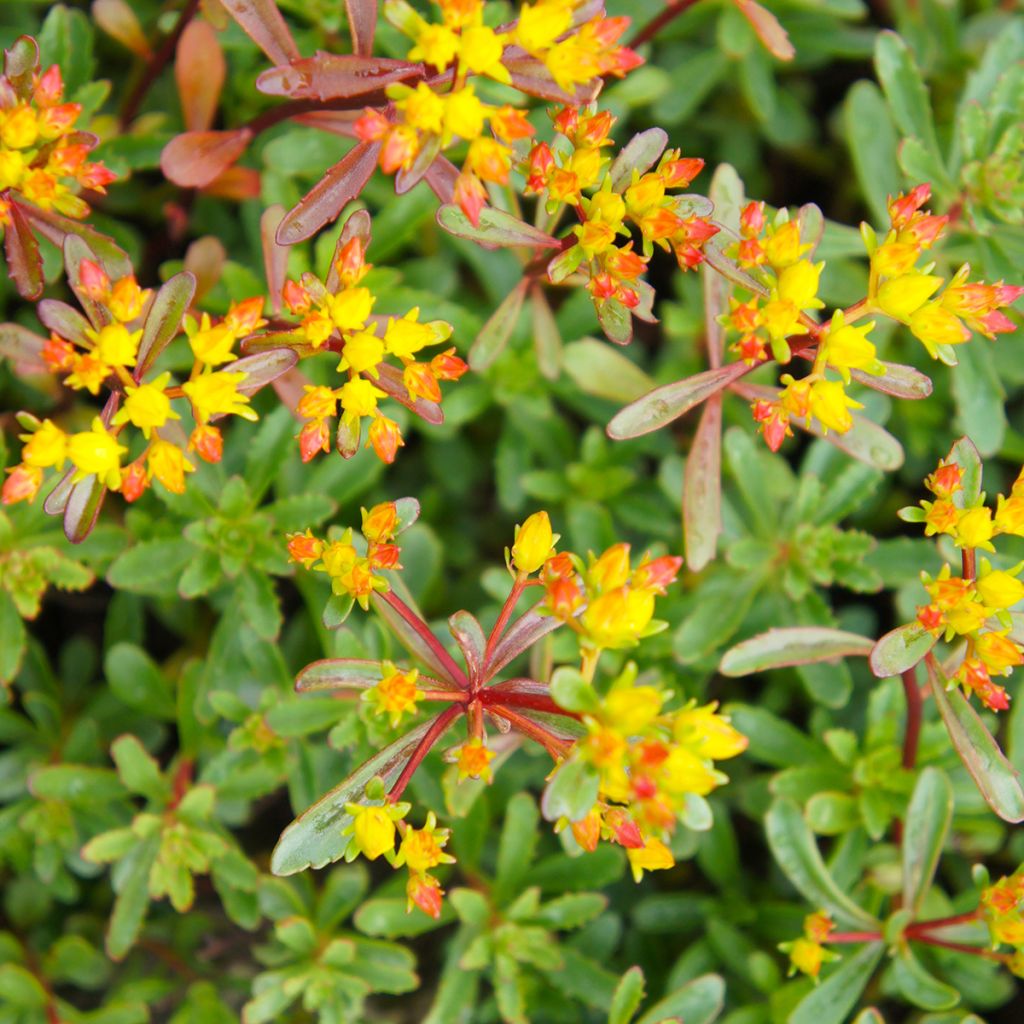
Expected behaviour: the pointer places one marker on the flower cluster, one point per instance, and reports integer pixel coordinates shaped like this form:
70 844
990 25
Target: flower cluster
42 156
807 953
353 565
338 317
609 604
975 605
902 290
650 763
106 355
579 177
376 827
422 121
1002 908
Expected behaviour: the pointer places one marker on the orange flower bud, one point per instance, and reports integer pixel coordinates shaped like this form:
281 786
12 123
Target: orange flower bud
134 481
470 195
49 88
447 366
903 207
93 280
296 298
679 173
58 354
657 575
380 522
587 831
399 149
371 126
313 438
207 442
304 548
351 262
386 438
420 382
426 892
625 830
22 484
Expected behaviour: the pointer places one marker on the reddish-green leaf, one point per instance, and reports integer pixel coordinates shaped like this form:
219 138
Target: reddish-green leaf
494 335
322 204
702 488
362 24
900 649
163 322
640 154
496 229
20 63
768 29
546 337
118 19
195 159
199 70
83 507
898 380
23 347
24 262
799 645
263 24
330 76
262 368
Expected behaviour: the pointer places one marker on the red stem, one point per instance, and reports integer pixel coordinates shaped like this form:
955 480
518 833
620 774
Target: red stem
558 749
455 674
915 705
963 947
942 922
532 701
430 737
503 616
854 937
156 64
659 21
967 558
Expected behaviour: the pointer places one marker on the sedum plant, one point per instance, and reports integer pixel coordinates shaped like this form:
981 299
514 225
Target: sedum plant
740 742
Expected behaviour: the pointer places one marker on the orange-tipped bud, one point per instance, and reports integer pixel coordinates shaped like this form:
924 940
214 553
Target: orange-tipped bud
659 574
420 382
587 831
510 124
296 298
774 422
207 443
58 354
380 522
470 195
22 484
594 131
680 172
304 548
903 207
447 366
625 830
134 481
351 262
425 892
566 121
384 556
96 176
386 438
371 126
49 89
314 438
562 597
539 167
399 149
752 219
245 316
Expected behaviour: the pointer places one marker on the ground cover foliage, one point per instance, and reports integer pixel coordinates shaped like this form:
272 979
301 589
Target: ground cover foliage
511 513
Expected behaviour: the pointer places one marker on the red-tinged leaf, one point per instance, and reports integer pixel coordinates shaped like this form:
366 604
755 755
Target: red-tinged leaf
997 780
441 176
726 193
117 18
898 380
63 320
600 370
769 31
199 70
163 322
900 649
798 645
331 76
23 348
57 500
390 380
205 259
546 337
362 24
24 262
407 179
529 75
56 228
315 838
496 229
262 22
83 507
274 340
339 674
322 204
289 388
75 251
357 225
263 368
472 642
640 154
716 258
669 402
196 159
494 335
521 635
702 488
337 122
20 63
275 257
966 456
347 437
616 321
407 511
236 183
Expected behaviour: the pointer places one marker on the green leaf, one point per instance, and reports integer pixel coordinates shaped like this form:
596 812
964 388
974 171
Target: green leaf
980 398
773 740
872 139
518 841
602 371
495 229
387 917
831 814
12 638
164 320
132 888
698 1002
21 988
629 994
918 986
966 456
900 650
995 777
314 838
151 567
259 605
800 645
832 1000
571 691
573 910
76 784
924 833
495 333
571 792
337 610
138 771
904 89
796 852
136 681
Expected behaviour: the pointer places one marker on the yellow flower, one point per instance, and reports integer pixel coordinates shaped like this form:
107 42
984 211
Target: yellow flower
975 529
798 283
362 353
422 107
147 406
685 772
212 345
436 45
480 50
404 337
965 617
396 693
534 543
630 709
780 318
999 589
541 24
708 734
423 848
115 345
831 405
934 325
894 258
654 855
998 652
216 394
87 373
783 248
167 462
373 829
464 114
903 295
47 446
96 452
474 761
847 347
807 956
12 168
20 129
618 618
359 398
350 309
611 570
1010 515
